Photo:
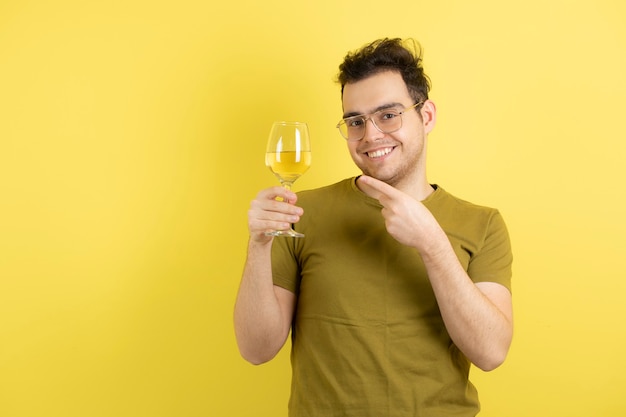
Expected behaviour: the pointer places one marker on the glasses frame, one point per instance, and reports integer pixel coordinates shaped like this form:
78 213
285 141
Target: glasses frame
369 116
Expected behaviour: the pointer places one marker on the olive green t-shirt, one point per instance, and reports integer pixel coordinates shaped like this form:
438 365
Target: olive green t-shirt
368 338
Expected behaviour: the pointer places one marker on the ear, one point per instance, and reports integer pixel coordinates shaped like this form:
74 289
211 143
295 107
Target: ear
429 115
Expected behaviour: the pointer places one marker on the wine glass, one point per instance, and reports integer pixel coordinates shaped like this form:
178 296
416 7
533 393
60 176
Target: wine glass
288 156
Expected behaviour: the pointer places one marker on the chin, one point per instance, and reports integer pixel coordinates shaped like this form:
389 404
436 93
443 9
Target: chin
389 179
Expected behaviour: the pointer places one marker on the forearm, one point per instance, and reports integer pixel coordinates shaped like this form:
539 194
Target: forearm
260 325
478 317
479 326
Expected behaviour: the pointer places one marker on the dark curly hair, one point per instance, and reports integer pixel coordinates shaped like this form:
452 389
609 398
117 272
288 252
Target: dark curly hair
387 54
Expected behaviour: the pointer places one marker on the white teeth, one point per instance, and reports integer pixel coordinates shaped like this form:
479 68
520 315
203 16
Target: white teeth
379 153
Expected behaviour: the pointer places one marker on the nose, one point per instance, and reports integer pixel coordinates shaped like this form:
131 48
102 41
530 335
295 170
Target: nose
371 130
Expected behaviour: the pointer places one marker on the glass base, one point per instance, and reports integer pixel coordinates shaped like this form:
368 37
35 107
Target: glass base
288 233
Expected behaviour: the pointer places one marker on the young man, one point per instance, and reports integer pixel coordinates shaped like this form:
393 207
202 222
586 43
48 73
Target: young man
398 286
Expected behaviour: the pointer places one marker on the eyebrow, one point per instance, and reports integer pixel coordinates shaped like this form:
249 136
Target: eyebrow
379 108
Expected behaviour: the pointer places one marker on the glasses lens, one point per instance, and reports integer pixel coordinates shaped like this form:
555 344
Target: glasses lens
352 128
388 120
343 129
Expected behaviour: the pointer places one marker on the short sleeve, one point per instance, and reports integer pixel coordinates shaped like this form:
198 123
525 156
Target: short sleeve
285 270
493 261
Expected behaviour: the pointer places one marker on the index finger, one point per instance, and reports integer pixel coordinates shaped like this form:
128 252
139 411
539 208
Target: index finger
375 188
280 194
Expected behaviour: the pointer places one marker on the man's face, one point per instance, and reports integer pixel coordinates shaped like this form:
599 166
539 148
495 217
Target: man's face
390 157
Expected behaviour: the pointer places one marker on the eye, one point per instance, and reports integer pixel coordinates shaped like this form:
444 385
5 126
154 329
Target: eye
357 122
388 115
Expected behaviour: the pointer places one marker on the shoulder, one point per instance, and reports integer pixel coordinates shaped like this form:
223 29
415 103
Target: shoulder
451 210
443 201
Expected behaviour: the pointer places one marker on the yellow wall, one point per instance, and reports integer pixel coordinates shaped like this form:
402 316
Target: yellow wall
131 142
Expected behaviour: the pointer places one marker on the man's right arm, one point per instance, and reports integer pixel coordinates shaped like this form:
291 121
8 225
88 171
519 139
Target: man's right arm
263 311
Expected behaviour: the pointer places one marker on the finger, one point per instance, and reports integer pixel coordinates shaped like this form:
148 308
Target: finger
375 188
257 226
274 210
261 221
265 212
279 193
265 206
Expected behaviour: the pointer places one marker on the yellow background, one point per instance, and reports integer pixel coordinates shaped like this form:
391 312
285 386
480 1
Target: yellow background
131 142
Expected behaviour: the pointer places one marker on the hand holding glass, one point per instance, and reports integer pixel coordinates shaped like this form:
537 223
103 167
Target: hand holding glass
288 156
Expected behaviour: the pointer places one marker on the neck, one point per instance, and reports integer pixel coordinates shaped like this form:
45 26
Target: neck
419 190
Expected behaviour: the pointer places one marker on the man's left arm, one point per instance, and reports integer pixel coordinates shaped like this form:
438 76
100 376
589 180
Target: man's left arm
478 316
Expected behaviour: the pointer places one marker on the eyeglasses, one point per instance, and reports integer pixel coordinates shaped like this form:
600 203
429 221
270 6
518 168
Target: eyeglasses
385 120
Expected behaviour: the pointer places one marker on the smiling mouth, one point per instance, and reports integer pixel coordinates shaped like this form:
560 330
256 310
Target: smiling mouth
379 153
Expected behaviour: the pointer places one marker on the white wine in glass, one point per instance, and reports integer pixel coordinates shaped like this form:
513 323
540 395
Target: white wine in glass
288 156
